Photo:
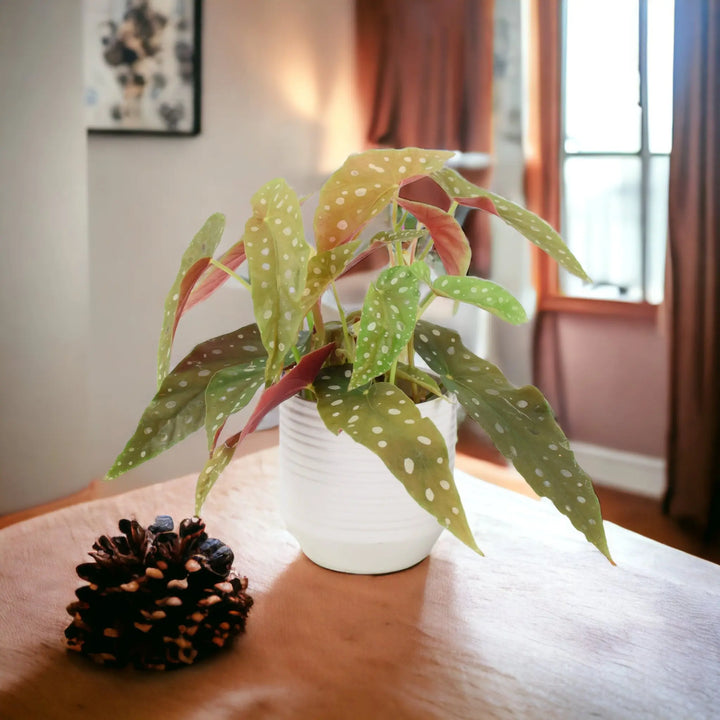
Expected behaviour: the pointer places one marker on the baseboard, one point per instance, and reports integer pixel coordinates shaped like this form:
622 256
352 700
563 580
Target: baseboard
631 472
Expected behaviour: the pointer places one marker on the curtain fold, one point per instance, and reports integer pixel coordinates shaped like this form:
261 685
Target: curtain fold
694 269
425 71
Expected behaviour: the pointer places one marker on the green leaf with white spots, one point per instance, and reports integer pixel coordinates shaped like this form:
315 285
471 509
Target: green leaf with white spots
483 294
521 425
418 377
421 271
323 268
277 257
219 460
386 324
387 422
229 391
388 236
192 266
534 228
364 186
178 408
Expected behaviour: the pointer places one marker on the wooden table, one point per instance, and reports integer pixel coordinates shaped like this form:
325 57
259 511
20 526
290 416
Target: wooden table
543 627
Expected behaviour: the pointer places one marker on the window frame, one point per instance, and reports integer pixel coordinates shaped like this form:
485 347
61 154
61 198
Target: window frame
547 281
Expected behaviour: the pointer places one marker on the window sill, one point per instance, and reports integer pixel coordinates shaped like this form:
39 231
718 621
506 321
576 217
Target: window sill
606 308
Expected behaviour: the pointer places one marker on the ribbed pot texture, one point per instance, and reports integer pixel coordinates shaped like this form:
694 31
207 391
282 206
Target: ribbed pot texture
344 507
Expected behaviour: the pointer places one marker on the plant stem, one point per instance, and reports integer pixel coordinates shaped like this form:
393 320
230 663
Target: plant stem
319 324
231 273
425 250
343 321
425 303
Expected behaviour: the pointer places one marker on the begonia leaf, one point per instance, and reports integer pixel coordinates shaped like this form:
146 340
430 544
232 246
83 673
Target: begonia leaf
534 228
323 268
483 294
277 257
229 391
520 423
386 324
214 277
193 264
178 408
387 422
363 186
449 240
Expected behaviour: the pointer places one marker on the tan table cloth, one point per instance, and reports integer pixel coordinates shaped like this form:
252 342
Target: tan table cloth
543 627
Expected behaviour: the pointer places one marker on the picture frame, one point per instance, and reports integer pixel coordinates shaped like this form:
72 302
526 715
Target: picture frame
142 66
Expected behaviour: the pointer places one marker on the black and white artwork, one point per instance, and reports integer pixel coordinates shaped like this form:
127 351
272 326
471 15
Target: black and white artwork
142 66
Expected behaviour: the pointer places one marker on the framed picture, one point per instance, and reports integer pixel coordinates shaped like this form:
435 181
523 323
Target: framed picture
142 66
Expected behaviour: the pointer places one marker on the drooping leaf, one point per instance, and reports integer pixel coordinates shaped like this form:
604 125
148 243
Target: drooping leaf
534 228
386 324
483 294
363 186
323 268
277 256
214 277
387 422
521 425
229 391
300 377
178 408
448 237
193 264
418 377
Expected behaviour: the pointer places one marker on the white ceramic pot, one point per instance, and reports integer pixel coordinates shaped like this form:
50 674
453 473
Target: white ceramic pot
344 507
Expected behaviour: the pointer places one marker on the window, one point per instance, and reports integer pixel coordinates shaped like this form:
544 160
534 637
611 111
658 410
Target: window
617 132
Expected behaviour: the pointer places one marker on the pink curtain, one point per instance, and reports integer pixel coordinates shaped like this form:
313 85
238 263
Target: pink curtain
425 79
694 269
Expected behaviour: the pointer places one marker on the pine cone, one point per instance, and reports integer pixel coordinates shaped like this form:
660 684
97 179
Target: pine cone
156 598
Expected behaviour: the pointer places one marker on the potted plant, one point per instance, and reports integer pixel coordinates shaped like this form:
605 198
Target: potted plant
369 375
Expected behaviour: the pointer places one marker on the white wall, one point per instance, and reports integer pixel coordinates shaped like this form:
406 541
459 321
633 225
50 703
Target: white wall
511 254
278 100
44 266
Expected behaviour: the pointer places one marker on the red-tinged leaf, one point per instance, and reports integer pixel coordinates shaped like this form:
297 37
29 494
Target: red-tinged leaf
534 228
193 264
297 379
448 237
362 256
214 277
363 186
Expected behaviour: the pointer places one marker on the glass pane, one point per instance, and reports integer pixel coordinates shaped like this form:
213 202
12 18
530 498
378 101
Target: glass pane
602 83
660 74
602 226
657 227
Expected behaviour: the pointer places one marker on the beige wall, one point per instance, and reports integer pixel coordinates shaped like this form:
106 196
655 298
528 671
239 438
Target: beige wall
277 100
82 300
44 266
